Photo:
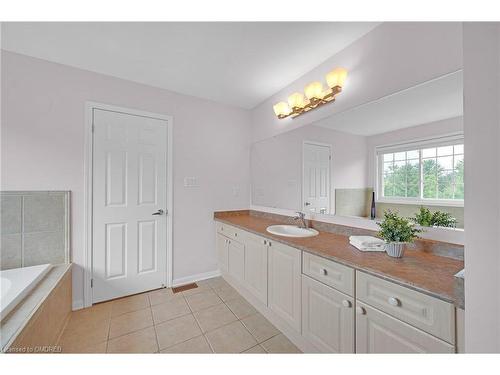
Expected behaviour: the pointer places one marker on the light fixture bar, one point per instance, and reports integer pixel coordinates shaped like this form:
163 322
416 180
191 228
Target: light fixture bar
315 96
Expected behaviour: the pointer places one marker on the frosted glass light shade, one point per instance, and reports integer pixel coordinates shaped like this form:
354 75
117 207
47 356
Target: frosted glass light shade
336 77
296 100
314 90
281 108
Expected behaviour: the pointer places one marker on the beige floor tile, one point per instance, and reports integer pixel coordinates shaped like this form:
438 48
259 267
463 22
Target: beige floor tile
217 282
260 327
161 296
203 300
99 348
143 341
176 331
171 309
214 317
100 311
204 282
257 349
232 338
80 336
197 345
241 308
128 304
130 322
201 288
227 293
279 344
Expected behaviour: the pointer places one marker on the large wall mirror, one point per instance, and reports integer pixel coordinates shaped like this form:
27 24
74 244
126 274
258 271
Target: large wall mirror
403 151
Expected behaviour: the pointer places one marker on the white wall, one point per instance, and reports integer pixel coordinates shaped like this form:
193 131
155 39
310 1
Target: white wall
276 165
482 195
392 57
431 129
43 149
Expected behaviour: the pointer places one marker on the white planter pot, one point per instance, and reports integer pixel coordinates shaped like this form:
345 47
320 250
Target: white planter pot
395 249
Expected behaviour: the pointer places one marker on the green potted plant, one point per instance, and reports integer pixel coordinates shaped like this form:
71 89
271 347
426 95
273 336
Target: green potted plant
396 231
426 218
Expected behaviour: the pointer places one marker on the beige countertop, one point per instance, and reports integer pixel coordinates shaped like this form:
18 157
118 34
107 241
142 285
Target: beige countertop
422 271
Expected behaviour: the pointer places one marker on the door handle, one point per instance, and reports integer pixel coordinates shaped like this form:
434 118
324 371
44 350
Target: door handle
307 204
159 212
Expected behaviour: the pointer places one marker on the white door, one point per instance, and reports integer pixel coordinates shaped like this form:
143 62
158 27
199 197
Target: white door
316 178
129 204
377 332
256 266
284 283
327 317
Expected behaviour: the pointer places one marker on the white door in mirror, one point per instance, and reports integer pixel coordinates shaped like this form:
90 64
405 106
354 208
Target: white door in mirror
292 231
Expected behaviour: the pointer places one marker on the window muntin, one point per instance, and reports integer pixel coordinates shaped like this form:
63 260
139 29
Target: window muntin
428 173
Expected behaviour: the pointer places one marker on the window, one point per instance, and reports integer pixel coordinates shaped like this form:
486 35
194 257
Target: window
425 171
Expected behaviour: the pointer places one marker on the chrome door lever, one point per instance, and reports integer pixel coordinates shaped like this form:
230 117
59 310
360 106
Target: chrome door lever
159 212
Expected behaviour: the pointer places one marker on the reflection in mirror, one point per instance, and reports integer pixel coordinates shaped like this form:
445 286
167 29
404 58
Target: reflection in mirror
401 152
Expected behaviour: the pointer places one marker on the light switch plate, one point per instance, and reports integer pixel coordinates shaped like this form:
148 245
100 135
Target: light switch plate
191 182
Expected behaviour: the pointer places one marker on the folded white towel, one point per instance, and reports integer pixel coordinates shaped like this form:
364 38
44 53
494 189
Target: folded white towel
379 247
366 241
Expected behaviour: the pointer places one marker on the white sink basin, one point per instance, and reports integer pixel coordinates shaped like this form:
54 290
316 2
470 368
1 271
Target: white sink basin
292 231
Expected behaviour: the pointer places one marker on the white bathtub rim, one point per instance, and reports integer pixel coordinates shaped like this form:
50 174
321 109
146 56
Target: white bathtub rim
22 316
7 307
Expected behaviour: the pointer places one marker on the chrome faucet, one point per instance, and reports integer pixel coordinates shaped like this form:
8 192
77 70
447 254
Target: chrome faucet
301 216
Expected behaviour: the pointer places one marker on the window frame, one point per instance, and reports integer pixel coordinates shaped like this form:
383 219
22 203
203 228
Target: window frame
418 144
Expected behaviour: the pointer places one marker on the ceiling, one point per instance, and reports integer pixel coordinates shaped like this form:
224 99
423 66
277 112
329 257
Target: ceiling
435 100
239 64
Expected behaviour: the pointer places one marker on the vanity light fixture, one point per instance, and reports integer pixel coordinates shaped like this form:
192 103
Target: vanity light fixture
315 95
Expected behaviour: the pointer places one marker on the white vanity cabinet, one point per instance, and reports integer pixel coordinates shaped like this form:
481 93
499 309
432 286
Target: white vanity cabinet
256 249
324 306
284 283
221 245
378 332
327 317
236 260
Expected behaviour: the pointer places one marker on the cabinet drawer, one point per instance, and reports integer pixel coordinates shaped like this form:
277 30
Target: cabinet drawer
328 272
229 231
420 310
377 332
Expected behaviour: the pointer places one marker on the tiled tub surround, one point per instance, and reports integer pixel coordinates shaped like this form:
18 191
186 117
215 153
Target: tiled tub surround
34 228
212 318
353 202
36 323
420 269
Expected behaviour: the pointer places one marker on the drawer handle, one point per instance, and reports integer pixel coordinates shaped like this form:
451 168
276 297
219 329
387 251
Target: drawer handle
324 272
360 310
236 234
393 301
346 303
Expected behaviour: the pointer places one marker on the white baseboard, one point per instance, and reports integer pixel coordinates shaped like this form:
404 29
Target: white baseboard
77 305
194 278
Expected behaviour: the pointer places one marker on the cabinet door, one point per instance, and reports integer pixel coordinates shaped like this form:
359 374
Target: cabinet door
377 332
284 283
222 245
327 317
256 266
236 260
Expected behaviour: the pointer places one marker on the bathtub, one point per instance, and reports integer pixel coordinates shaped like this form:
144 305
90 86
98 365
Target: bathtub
17 283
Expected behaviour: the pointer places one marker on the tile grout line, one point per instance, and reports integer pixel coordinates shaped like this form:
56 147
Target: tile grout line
198 324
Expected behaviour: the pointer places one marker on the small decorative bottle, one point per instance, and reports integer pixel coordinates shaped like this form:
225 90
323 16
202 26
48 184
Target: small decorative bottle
373 211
